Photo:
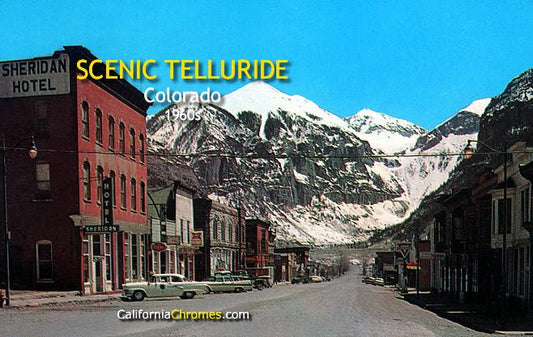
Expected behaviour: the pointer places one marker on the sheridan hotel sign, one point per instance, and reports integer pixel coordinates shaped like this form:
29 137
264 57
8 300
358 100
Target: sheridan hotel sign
35 77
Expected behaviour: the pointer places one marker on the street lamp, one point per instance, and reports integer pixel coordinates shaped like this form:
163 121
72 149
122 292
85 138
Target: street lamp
468 154
32 153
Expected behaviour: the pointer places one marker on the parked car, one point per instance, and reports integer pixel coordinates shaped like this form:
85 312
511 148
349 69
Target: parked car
228 283
300 279
263 282
164 285
315 279
379 281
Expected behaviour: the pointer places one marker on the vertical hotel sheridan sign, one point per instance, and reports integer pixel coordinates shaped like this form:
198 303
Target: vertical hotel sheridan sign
35 77
107 210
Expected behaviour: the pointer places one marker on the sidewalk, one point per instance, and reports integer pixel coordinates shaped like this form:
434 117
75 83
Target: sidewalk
30 298
474 316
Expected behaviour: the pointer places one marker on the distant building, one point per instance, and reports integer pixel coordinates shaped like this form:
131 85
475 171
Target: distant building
224 237
86 130
291 262
259 257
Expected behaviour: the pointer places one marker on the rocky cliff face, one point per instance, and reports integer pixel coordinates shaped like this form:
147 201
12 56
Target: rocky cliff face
317 177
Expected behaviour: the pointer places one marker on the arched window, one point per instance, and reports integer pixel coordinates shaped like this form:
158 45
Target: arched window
141 148
85 119
113 187
133 195
123 191
99 183
111 127
43 256
121 138
86 181
132 143
98 123
143 197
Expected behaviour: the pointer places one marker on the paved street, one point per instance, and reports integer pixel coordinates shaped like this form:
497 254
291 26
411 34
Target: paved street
342 307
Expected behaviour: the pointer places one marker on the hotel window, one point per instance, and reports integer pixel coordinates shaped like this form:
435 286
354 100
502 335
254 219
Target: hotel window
99 183
44 260
113 185
222 231
42 173
97 245
86 181
85 250
123 191
132 143
42 120
143 197
133 195
215 229
111 139
108 257
230 232
98 122
85 119
525 206
121 138
141 148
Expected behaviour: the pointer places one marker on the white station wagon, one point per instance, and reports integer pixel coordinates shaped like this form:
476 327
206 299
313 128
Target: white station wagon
164 285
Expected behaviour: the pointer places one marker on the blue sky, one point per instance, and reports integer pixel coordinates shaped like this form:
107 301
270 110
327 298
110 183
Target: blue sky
417 60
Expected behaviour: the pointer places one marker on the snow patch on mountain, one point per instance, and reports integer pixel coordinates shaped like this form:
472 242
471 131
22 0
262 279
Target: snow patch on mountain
385 133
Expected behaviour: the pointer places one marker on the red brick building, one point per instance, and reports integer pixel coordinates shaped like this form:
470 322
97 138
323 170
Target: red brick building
259 256
85 130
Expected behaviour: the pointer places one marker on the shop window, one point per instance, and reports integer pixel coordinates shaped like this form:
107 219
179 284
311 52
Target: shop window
86 181
107 257
42 173
134 257
98 124
143 260
85 119
111 135
127 261
97 245
44 260
85 249
525 205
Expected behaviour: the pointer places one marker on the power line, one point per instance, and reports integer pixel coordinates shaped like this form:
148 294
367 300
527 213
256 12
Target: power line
213 154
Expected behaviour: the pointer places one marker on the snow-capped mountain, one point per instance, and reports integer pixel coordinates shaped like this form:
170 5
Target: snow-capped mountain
385 133
313 174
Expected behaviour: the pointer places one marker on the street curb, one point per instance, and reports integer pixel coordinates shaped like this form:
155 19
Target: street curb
30 304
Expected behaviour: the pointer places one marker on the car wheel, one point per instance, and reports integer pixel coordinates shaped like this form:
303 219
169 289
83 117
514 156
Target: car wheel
208 290
188 295
260 286
238 290
138 296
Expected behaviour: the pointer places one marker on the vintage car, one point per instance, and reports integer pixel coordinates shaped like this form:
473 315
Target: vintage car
164 285
225 282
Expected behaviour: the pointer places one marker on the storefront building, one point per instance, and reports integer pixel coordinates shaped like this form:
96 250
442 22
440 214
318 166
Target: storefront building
86 131
224 236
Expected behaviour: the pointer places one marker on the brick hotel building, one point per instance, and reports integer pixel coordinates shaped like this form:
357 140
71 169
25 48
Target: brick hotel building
85 130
